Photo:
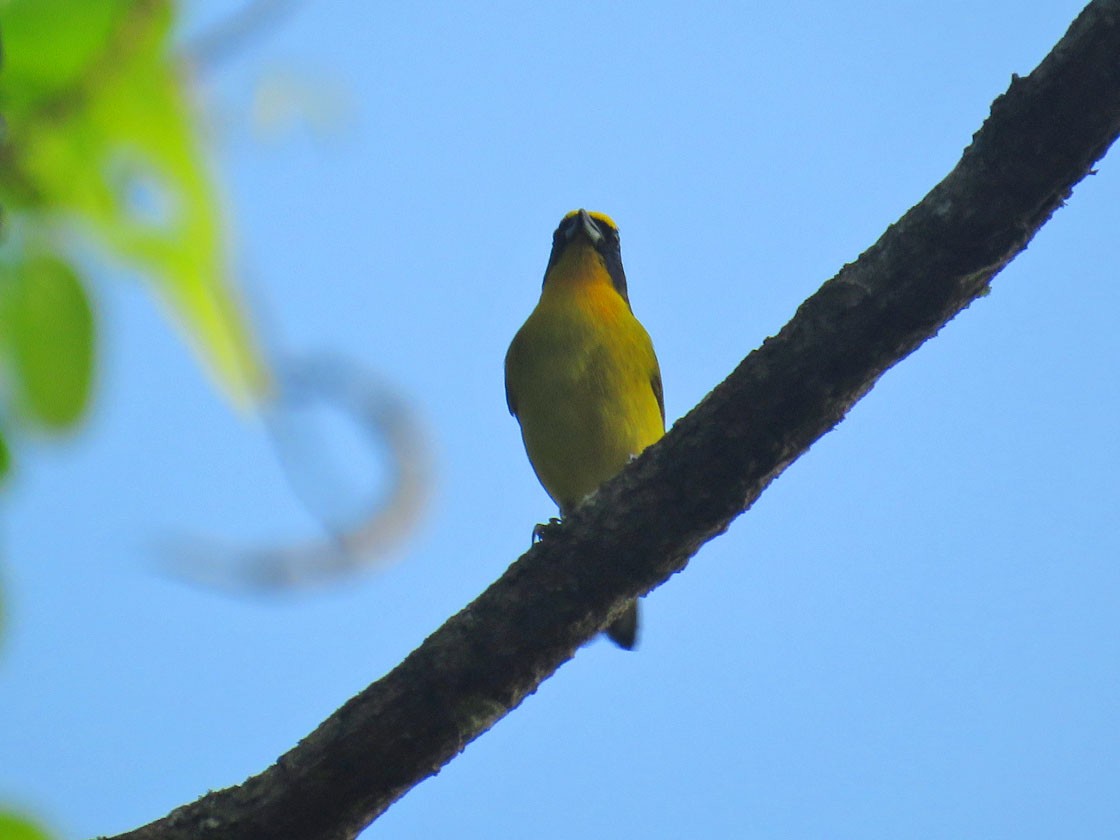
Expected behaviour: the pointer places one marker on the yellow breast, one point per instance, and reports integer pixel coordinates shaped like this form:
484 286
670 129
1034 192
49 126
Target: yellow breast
583 381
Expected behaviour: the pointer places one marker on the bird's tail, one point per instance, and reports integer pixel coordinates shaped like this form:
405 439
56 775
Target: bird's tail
623 631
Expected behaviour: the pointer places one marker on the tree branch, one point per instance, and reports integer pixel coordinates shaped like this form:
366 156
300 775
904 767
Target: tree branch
1041 138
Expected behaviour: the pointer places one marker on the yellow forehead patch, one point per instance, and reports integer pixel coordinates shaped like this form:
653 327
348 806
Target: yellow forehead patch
599 217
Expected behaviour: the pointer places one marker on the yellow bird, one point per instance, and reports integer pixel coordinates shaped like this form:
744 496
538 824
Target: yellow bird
581 375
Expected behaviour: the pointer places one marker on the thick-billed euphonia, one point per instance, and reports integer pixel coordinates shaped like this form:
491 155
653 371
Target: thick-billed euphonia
581 375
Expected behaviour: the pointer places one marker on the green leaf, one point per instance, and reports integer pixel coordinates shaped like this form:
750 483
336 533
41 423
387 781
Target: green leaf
50 44
114 147
5 459
50 324
17 828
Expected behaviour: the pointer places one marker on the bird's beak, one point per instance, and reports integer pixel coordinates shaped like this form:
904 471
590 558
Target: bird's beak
586 226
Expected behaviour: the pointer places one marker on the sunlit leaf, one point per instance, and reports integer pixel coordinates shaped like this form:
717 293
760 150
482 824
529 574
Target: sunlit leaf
50 44
5 459
50 339
13 827
147 113
116 151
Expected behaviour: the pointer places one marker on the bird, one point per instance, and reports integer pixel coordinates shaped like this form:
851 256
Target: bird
581 375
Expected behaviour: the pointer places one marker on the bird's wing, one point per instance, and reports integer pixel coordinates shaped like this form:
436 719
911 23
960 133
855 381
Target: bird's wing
655 383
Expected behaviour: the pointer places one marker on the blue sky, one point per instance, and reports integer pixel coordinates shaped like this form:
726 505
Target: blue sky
912 634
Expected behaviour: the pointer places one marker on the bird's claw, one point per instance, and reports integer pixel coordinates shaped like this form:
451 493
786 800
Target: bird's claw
541 529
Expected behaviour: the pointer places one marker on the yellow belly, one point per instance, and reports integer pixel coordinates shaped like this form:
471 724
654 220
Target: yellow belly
581 375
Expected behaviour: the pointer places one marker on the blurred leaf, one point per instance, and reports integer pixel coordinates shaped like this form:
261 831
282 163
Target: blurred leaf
5 459
108 140
57 41
17 828
50 336
148 118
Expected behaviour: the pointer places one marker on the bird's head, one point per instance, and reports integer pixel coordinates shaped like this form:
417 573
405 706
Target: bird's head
597 232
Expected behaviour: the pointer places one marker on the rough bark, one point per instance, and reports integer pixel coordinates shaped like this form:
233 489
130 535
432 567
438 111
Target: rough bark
1043 135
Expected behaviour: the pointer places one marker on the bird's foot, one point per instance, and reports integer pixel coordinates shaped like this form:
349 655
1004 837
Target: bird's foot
542 529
